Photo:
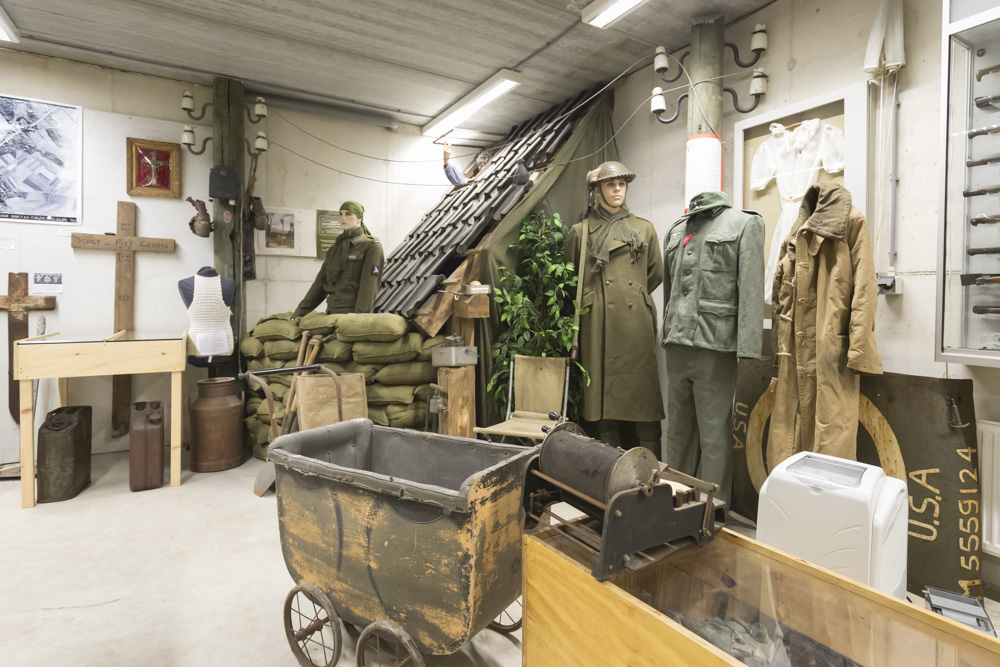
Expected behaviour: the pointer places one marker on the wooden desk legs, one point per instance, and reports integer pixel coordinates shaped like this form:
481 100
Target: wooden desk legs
63 392
27 447
176 413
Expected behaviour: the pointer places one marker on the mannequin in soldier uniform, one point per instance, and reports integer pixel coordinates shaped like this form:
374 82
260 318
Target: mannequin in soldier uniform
620 268
352 270
713 289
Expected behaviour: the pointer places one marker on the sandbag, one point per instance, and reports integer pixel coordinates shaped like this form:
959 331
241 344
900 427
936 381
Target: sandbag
428 346
264 364
374 327
413 372
258 436
423 392
335 350
253 404
368 370
377 414
380 394
318 399
281 349
262 409
278 391
277 327
319 323
251 348
397 351
407 416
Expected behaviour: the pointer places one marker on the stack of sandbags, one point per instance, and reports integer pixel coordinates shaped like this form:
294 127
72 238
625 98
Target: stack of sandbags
273 343
396 364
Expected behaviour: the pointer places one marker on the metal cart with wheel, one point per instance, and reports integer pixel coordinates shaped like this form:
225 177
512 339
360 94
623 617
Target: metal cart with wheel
412 540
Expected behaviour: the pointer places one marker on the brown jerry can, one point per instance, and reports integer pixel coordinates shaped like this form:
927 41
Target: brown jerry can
64 453
145 447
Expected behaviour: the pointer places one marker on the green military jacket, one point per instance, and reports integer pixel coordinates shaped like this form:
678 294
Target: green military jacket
713 287
349 285
618 330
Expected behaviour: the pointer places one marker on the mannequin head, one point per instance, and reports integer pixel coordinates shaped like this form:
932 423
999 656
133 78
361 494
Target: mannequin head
608 185
351 215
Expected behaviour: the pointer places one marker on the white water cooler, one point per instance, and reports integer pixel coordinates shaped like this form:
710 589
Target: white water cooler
846 516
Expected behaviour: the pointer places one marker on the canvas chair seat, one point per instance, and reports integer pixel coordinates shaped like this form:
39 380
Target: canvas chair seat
539 386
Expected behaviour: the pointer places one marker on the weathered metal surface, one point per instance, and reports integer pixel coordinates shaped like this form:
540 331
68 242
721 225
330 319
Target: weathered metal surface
64 442
904 428
216 426
145 447
395 525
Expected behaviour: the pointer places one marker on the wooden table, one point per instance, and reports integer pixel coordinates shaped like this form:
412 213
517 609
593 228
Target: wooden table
121 354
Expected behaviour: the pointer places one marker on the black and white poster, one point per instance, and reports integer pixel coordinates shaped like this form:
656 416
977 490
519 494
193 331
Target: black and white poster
40 166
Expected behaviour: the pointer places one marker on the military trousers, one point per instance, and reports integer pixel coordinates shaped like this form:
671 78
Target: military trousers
700 388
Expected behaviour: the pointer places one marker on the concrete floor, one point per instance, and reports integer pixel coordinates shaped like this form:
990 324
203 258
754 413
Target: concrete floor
191 575
173 576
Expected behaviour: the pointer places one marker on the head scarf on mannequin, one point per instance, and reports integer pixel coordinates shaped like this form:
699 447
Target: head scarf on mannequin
358 210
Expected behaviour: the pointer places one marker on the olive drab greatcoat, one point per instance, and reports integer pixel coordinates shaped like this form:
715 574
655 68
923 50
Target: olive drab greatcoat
823 321
350 283
618 331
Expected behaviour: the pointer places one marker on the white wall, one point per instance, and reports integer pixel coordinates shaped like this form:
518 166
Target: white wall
807 57
115 106
288 180
118 105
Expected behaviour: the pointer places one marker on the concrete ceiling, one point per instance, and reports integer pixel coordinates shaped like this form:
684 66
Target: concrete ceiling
406 60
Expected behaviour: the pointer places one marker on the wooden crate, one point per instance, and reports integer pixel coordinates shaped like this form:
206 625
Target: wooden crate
572 619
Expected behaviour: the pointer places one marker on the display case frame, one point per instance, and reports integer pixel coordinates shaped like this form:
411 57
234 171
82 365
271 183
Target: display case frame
960 334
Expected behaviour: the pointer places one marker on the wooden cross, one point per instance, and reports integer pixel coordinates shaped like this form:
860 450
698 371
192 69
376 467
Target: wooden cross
125 244
17 303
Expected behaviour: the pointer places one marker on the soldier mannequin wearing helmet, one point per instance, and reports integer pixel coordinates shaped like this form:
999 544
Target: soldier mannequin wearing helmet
352 270
621 266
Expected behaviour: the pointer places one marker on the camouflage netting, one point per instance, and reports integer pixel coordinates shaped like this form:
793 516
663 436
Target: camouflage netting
395 363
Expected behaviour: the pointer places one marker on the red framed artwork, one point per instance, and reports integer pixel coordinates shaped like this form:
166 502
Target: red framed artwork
154 168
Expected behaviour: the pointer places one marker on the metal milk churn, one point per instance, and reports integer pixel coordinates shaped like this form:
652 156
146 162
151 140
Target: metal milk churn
216 426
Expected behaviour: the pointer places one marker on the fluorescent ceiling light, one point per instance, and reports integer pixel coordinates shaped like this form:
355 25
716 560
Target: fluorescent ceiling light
8 31
499 84
603 13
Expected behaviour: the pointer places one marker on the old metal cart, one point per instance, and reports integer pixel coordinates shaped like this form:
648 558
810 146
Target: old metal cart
411 538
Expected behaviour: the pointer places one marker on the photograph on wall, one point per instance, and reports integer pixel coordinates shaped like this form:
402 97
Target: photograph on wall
40 161
327 230
780 161
282 234
153 168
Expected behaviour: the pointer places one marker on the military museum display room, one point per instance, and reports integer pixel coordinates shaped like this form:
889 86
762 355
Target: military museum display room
601 333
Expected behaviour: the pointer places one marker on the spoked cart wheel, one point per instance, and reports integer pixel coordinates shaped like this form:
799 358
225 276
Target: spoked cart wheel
312 627
509 619
385 644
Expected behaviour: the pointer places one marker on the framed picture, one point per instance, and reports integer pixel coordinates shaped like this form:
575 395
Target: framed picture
154 168
284 231
40 161
779 154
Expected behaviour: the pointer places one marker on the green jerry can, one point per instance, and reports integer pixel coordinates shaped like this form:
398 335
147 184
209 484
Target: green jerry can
64 453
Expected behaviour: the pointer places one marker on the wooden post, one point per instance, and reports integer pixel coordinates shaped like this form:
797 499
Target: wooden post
125 244
228 149
460 414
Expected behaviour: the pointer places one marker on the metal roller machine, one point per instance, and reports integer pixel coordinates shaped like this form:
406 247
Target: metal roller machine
634 507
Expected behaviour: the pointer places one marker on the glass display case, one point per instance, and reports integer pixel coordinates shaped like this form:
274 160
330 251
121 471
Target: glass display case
968 326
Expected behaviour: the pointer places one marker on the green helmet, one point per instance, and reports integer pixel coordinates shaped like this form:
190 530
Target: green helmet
608 171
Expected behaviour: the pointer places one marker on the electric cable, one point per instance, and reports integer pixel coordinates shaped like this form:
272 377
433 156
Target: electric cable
363 178
371 157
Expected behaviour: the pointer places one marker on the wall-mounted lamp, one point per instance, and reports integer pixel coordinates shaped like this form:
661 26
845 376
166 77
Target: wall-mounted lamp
188 140
187 104
259 112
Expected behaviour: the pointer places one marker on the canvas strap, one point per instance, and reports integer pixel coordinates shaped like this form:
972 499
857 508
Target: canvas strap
574 352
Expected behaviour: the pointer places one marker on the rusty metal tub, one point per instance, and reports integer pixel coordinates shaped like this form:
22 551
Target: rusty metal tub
414 537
